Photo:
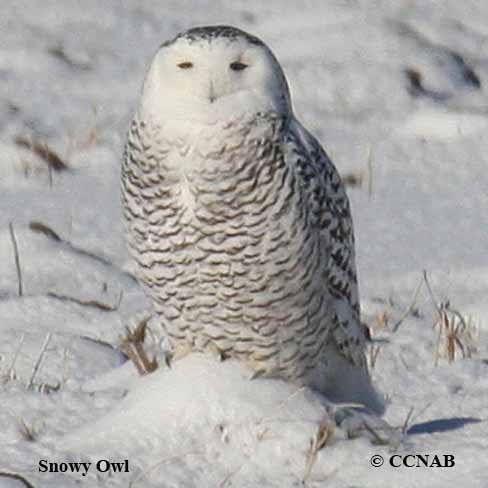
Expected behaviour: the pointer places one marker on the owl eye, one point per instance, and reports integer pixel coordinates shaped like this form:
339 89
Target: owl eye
185 65
237 66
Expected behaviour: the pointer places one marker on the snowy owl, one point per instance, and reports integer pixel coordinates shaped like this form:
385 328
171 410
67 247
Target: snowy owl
237 220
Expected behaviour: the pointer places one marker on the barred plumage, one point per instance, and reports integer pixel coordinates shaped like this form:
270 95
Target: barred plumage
237 220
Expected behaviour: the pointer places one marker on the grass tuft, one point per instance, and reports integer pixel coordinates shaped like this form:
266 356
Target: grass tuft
457 334
322 438
133 346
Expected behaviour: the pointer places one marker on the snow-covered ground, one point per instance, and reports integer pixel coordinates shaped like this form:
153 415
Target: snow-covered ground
397 93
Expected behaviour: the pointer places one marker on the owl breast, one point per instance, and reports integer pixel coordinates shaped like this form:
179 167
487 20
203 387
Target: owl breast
225 245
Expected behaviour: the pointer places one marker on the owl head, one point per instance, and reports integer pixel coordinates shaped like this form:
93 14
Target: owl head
210 74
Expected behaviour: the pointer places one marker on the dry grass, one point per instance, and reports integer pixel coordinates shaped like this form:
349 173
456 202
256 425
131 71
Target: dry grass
43 152
378 439
382 320
11 374
133 346
77 140
38 362
354 180
29 431
17 477
104 307
322 438
17 259
457 334
41 228
372 355
388 319
229 477
411 310
59 52
361 177
408 419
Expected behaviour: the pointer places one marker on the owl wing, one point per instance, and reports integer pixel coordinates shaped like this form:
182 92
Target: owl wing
330 212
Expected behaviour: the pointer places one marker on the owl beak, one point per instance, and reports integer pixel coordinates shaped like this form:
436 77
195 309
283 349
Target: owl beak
211 95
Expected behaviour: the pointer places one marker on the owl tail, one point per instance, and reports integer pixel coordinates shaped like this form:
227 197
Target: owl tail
342 382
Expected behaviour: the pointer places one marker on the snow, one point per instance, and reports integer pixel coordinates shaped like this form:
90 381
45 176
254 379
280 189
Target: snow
70 75
221 407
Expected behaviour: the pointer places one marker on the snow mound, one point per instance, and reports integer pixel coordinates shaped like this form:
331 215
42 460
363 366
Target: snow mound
215 410
197 396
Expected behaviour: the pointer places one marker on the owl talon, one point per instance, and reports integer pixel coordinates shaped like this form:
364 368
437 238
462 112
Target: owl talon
179 352
166 359
260 370
215 352
257 374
